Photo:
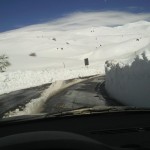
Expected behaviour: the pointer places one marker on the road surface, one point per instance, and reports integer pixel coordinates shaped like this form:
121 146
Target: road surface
85 94
18 99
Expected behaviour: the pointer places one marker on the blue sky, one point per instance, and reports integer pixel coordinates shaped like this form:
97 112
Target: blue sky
19 13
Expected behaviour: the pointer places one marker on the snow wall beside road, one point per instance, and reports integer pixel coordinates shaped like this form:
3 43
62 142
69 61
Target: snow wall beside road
130 83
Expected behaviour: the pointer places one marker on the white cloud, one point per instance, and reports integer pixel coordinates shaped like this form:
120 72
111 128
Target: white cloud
106 18
94 19
134 8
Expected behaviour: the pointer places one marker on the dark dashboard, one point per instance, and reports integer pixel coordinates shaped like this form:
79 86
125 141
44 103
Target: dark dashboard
118 130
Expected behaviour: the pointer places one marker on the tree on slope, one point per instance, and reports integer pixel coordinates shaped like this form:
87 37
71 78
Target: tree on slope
4 63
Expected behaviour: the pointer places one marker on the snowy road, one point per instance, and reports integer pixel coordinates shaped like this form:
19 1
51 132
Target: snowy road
85 94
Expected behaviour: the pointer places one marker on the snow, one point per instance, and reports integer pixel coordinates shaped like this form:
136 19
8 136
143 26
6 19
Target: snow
129 81
17 80
98 36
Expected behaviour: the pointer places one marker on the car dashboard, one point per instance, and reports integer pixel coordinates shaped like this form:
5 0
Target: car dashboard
117 130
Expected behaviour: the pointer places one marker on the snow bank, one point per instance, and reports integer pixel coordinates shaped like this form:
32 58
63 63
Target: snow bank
35 105
129 83
11 81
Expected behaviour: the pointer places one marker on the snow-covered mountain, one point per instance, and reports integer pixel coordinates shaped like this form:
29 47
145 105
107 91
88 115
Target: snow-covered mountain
54 48
61 47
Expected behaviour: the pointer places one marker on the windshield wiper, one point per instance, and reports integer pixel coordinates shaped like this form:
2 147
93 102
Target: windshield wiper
21 118
97 109
80 111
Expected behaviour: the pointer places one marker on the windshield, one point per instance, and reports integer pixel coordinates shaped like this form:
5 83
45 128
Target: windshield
64 55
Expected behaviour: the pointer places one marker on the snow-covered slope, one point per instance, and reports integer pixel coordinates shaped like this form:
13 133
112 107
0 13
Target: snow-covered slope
54 48
60 50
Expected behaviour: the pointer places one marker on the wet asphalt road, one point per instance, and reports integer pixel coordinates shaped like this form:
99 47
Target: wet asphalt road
18 99
85 94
